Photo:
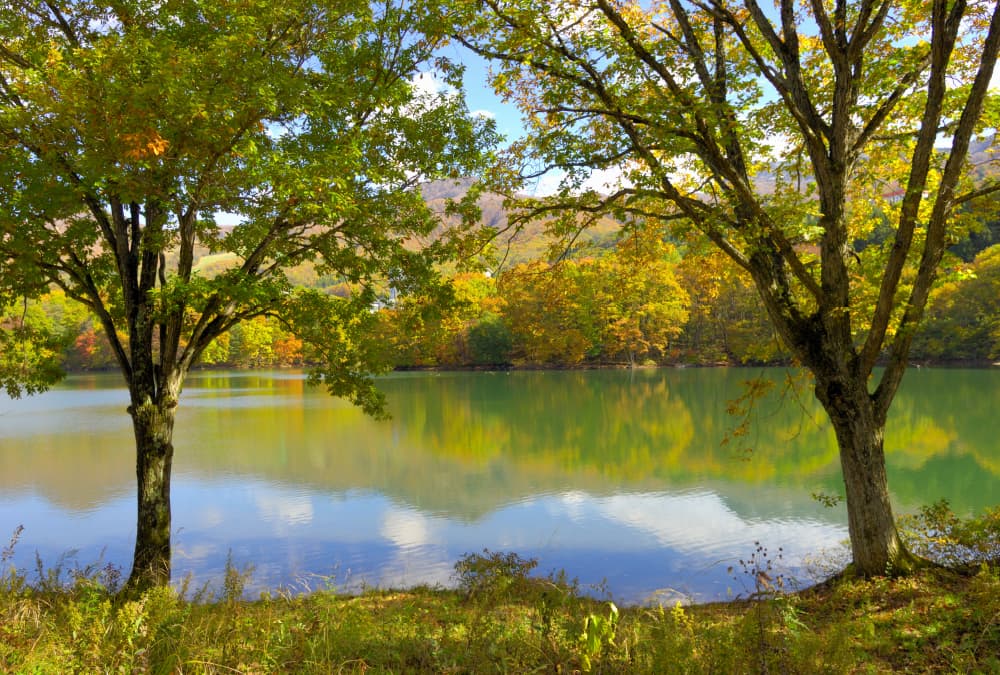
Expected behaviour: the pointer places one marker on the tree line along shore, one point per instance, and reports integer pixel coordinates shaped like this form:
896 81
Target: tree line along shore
630 303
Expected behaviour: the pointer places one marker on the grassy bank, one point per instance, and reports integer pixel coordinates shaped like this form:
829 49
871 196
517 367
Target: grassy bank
503 619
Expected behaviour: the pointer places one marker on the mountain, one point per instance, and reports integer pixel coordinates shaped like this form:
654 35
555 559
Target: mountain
525 241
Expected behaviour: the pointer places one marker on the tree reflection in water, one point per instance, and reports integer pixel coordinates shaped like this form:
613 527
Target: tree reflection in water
639 450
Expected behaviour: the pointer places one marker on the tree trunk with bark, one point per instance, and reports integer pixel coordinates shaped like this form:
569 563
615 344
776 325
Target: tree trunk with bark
860 430
153 424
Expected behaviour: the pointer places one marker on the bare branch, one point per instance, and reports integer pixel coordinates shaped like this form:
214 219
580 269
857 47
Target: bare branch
15 58
889 104
63 25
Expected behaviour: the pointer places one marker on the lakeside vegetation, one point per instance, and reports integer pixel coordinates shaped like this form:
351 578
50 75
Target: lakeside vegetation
503 618
640 301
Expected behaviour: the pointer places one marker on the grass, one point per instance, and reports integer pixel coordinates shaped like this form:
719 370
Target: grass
500 618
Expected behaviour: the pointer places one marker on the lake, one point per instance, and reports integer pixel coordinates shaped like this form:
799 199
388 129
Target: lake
621 478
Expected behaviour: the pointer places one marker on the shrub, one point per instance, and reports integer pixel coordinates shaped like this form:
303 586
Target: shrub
938 534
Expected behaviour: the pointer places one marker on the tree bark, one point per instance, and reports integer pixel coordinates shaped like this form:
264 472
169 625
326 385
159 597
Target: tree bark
153 424
858 420
875 543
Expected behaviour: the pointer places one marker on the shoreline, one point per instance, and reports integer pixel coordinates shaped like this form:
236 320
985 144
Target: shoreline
957 364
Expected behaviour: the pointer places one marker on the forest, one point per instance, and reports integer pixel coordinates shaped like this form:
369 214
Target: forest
614 300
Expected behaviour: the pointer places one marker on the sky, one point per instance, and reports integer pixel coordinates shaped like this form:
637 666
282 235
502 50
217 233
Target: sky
480 96
481 99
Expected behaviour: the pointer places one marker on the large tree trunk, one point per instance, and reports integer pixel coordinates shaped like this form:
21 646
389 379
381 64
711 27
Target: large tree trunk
875 542
153 424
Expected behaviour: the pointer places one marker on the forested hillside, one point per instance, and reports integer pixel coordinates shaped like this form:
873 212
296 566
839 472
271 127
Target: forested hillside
611 295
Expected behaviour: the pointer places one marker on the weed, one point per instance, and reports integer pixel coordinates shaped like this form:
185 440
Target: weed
765 586
234 581
598 632
493 574
10 577
932 622
758 568
7 554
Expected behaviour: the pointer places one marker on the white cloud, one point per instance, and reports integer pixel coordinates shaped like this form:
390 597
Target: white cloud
487 114
703 522
283 511
574 505
429 570
430 84
211 516
196 552
548 184
405 528
602 181
419 556
606 181
226 219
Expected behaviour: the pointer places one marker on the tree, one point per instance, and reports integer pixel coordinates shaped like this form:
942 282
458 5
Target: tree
775 133
640 302
727 319
963 314
490 341
126 127
30 346
253 343
549 310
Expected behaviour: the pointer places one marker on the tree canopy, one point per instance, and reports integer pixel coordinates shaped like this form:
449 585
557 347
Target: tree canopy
127 129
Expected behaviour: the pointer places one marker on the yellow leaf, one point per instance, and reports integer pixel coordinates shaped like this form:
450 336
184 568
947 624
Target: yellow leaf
143 144
54 57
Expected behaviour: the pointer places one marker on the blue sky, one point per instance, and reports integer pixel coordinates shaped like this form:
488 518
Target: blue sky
479 94
481 98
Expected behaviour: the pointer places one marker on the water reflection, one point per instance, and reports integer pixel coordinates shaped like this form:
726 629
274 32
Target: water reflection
608 474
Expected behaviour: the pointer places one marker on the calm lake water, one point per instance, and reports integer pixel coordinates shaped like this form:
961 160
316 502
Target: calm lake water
618 477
